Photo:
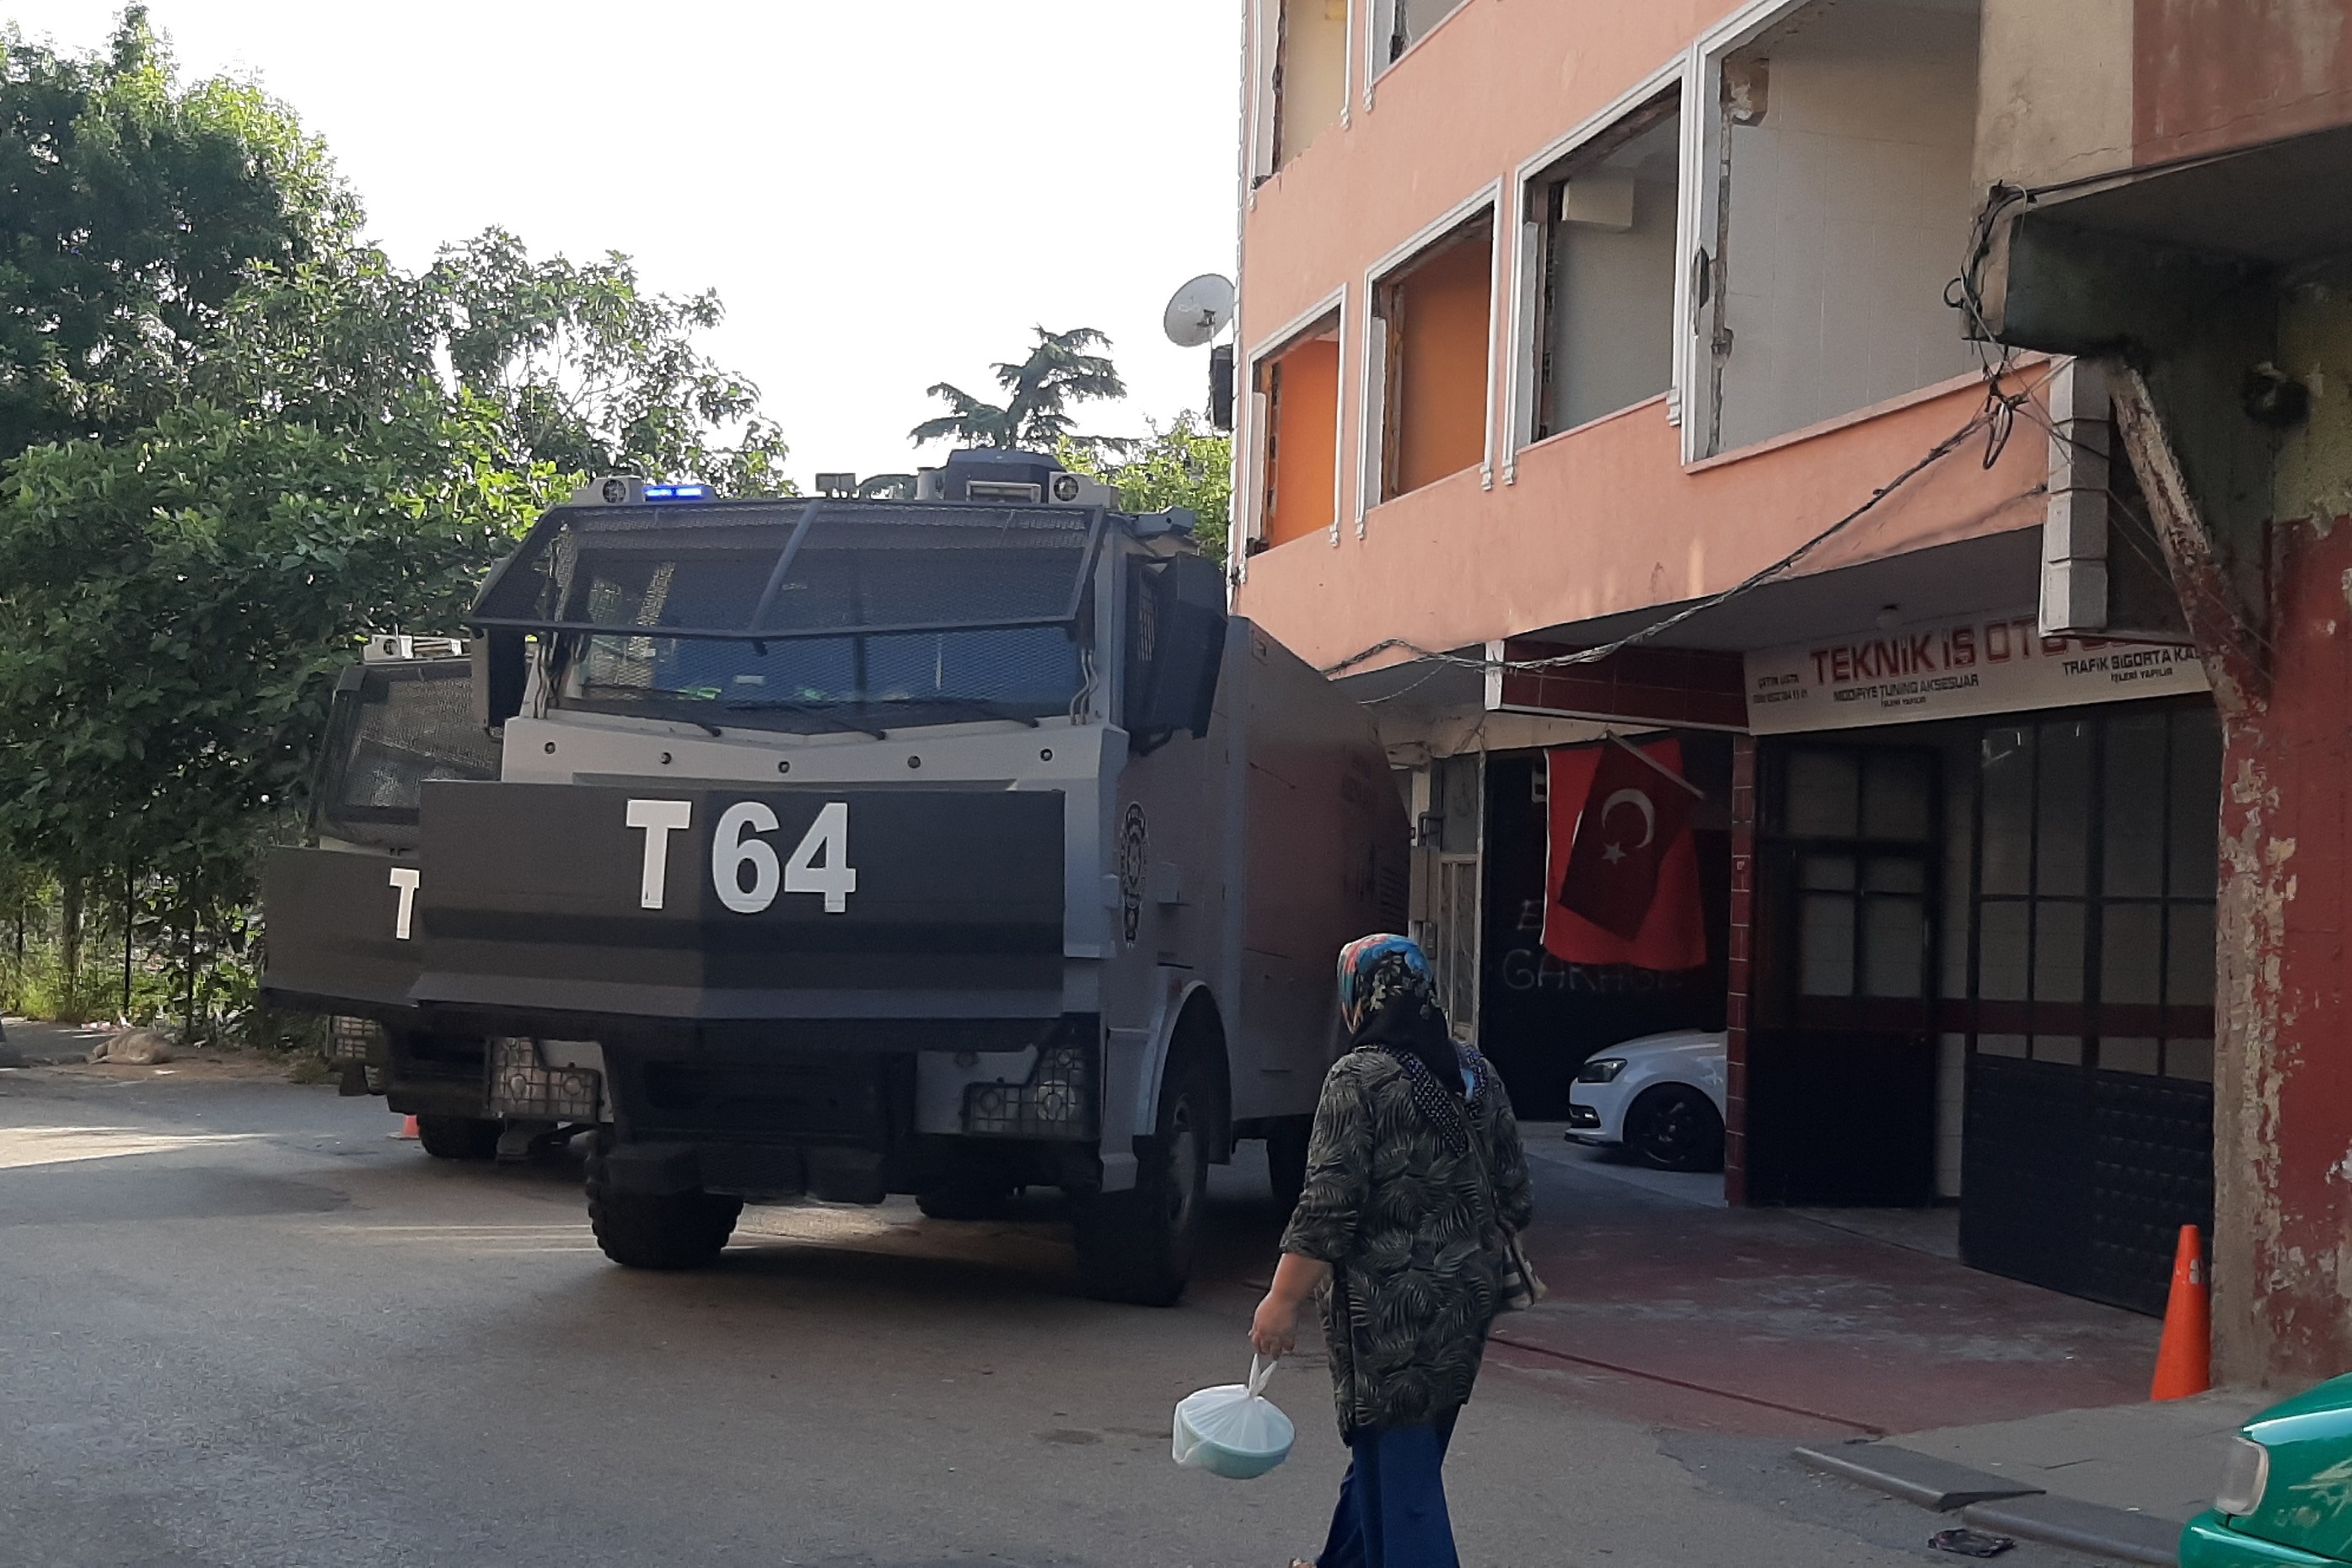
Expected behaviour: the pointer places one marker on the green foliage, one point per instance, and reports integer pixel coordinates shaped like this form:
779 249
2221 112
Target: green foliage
595 375
1180 463
134 212
236 437
174 609
1040 391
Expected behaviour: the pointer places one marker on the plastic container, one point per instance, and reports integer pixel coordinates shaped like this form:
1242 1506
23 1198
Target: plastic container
1233 1430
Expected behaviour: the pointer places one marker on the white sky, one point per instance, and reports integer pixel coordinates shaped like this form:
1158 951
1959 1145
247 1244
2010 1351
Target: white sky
884 194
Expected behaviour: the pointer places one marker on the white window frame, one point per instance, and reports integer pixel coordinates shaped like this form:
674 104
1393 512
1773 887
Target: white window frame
1701 205
1381 16
1333 306
1372 384
1520 379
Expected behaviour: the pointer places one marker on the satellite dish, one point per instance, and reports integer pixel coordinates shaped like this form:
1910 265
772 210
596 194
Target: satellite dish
1200 311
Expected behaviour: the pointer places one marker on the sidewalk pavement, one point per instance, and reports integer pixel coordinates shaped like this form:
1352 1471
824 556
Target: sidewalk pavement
2115 1482
1857 1336
1668 1308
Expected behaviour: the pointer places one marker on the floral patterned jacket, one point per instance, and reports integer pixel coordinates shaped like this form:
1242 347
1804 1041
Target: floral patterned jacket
1409 1227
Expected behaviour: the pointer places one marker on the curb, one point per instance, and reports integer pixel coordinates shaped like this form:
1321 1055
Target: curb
1999 1503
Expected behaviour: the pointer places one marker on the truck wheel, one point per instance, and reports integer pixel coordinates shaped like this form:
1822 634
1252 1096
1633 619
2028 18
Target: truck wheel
457 1137
665 1230
1136 1246
1286 1163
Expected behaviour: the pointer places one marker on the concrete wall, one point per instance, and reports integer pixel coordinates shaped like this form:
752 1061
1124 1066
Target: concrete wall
1849 214
2207 77
2283 1131
1314 72
1612 311
2053 91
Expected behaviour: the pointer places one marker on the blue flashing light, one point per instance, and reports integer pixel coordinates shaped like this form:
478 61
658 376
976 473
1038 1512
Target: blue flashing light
679 492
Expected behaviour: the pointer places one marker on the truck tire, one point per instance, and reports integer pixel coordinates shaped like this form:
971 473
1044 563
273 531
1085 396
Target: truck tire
457 1137
665 1230
1136 1246
1286 1163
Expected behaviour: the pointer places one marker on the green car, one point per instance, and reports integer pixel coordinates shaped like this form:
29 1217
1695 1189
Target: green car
2286 1488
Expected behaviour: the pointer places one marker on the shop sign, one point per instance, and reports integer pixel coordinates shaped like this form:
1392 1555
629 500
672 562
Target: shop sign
1946 670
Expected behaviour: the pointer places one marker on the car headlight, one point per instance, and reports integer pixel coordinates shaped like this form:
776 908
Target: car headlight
1601 1069
2244 1474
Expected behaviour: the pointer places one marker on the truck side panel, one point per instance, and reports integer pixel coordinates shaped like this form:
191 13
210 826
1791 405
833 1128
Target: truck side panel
1326 845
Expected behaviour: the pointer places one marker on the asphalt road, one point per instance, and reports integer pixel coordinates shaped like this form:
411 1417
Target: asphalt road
240 1326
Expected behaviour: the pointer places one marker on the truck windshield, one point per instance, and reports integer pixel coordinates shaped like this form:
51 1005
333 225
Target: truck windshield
814 617
392 728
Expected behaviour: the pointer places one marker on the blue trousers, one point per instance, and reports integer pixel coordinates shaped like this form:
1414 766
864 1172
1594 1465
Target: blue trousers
1392 1512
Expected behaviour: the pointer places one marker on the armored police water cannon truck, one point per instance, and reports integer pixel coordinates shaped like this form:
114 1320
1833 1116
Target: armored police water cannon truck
403 714
948 844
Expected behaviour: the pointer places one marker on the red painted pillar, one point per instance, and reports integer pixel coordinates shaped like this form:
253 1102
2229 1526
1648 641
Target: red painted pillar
2283 1090
1735 1014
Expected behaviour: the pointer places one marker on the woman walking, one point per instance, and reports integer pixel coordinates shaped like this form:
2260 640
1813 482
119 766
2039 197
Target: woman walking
1415 1183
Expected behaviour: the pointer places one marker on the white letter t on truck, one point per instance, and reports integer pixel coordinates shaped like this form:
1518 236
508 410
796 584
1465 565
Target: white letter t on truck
659 818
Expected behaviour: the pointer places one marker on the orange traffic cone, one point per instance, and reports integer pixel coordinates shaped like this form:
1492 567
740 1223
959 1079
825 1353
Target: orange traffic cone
2184 1361
410 1133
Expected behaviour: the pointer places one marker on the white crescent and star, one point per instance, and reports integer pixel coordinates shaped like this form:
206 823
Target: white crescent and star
1614 852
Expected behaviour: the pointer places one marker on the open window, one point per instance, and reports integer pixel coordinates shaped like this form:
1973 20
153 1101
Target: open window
1308 80
1843 131
1297 394
1432 326
1398 24
1603 227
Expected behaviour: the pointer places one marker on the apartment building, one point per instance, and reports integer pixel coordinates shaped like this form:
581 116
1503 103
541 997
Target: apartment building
1636 371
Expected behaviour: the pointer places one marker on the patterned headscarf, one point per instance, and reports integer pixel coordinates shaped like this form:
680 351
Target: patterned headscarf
1388 999
1377 972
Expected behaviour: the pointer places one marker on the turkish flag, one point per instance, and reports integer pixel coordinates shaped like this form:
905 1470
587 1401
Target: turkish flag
1623 871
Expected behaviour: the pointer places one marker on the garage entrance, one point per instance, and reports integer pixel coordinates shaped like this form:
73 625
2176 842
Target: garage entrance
1842 1044
2090 1063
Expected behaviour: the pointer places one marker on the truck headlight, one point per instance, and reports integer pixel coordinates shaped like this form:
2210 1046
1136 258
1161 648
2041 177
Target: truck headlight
2244 1474
1601 1069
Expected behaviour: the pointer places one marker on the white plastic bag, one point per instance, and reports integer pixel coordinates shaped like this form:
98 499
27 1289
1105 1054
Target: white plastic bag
1233 1430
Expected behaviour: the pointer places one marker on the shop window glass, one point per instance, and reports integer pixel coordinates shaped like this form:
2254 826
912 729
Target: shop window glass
1894 874
2131 956
1826 871
2063 1050
1894 947
2196 798
2189 956
2057 950
2133 1055
2007 784
2133 835
2191 1059
1826 945
2001 950
2013 1045
1898 797
2063 807
1825 794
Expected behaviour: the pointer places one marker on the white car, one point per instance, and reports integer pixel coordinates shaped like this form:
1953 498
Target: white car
1660 1096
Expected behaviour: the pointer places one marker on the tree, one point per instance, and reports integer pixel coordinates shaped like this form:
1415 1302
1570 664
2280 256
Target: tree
1180 464
596 374
1040 391
233 457
130 212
